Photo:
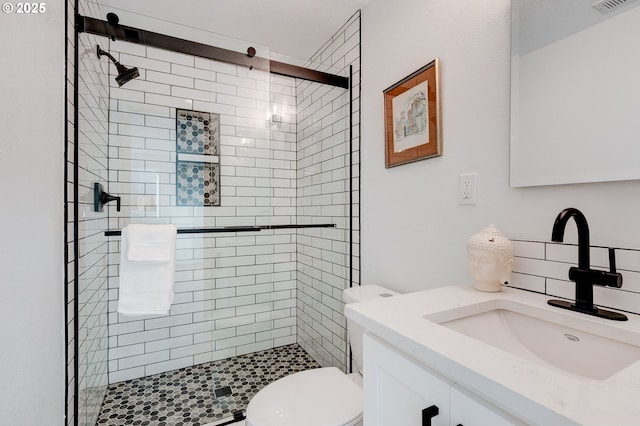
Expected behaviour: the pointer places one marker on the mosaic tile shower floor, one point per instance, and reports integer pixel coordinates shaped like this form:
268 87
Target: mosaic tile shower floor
186 397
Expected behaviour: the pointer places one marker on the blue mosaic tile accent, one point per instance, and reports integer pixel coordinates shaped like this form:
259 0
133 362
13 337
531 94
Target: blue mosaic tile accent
197 184
197 132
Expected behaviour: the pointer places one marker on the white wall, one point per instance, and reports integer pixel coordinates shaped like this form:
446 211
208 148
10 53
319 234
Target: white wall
413 229
31 218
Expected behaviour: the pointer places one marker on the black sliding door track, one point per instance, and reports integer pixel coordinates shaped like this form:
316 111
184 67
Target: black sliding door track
148 38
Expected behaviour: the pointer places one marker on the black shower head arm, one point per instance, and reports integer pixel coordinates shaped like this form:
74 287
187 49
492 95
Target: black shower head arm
124 74
101 52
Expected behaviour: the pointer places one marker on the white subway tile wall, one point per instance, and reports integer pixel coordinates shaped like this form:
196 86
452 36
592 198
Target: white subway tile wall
543 267
92 262
323 197
69 216
234 293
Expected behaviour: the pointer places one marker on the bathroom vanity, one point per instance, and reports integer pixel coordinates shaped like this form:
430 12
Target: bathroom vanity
457 356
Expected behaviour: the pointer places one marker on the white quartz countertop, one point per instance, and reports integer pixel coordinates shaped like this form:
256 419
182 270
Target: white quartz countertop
536 394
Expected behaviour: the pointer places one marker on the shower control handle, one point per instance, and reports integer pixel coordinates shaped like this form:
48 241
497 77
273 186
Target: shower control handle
100 198
107 198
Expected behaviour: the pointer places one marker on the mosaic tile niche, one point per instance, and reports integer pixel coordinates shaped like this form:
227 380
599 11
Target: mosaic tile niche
197 165
197 184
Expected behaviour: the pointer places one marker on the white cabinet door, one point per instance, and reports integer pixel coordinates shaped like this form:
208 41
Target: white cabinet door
398 389
469 410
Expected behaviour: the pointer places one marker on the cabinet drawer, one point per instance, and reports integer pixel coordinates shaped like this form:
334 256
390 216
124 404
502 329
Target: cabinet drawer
469 410
397 389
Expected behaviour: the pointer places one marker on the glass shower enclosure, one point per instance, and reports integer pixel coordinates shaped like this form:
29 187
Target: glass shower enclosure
253 169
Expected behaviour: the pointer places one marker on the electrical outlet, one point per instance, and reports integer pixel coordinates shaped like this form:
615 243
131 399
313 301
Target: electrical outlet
467 192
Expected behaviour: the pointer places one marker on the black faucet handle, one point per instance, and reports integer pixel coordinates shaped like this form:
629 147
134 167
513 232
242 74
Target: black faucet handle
612 260
610 279
615 279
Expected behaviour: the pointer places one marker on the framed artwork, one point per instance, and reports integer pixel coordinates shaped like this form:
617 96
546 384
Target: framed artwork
413 129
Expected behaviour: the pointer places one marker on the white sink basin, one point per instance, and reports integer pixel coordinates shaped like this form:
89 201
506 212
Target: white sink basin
577 346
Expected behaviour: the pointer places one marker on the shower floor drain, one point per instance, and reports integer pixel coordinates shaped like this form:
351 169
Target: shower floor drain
223 391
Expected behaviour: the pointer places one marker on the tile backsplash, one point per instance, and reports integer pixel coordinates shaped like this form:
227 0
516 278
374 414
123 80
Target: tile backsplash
543 267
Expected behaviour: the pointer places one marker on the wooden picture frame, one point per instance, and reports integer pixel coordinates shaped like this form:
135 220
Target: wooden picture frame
412 118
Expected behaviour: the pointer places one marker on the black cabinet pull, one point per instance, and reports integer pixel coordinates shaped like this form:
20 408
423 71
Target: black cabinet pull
429 413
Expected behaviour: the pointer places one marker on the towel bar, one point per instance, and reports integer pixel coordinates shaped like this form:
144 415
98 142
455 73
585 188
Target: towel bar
112 233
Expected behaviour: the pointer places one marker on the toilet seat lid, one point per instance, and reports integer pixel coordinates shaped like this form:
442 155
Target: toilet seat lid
321 396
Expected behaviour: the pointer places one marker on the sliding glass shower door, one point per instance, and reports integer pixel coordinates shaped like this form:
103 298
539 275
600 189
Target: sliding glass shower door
238 159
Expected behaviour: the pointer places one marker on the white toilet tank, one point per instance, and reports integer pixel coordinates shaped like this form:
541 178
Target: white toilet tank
356 331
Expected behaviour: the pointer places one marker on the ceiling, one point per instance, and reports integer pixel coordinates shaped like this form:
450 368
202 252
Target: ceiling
291 28
540 22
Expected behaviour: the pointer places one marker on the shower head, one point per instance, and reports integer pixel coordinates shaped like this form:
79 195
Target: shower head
124 74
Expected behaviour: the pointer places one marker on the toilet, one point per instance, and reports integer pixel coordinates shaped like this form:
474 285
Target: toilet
321 396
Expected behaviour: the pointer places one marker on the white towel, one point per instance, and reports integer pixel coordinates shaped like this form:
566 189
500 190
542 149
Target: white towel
147 269
150 243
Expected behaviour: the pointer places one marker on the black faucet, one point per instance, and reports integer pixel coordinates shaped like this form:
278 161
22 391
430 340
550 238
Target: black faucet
583 275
